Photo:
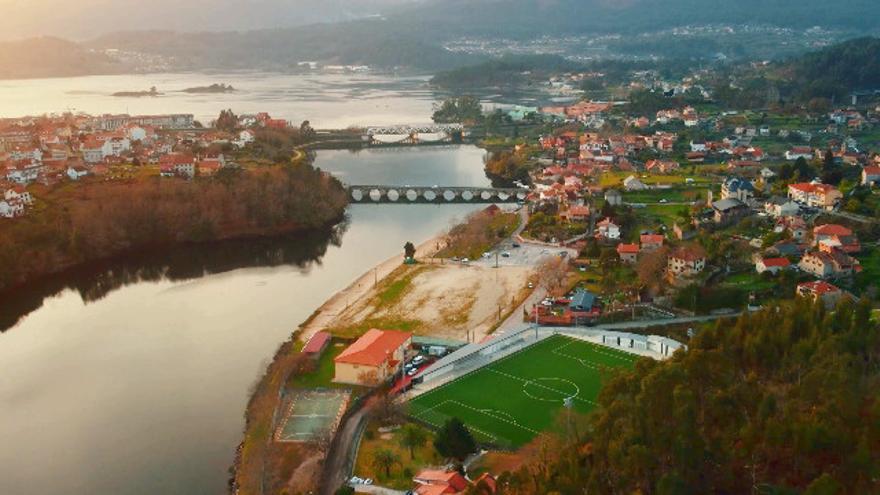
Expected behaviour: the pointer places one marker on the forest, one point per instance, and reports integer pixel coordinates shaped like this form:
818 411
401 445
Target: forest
781 401
82 222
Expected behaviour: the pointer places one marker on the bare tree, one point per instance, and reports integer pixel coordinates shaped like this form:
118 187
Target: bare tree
553 274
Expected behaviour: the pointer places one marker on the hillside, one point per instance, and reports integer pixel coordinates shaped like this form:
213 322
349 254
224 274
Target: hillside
836 71
51 57
779 402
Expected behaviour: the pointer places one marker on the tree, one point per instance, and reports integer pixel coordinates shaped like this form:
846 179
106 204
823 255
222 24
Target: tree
412 437
409 250
384 460
454 440
463 109
227 121
651 267
305 130
554 273
345 490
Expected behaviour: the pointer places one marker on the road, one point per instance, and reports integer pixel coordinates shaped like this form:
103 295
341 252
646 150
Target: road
341 459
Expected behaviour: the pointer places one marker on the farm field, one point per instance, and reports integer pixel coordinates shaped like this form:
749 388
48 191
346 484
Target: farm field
528 389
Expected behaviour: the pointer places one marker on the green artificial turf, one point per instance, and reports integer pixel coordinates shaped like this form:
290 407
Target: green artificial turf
510 401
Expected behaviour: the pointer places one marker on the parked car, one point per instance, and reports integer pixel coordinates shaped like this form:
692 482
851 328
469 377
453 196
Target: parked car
418 360
516 245
505 255
412 372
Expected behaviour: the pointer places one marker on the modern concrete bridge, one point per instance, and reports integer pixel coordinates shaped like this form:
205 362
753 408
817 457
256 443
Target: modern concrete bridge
374 194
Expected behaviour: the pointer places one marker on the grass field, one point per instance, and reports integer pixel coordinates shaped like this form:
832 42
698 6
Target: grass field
514 399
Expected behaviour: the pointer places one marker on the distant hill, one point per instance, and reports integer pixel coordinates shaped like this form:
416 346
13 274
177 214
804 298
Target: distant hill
51 57
525 18
85 19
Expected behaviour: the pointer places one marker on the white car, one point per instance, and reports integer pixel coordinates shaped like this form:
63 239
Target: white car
546 303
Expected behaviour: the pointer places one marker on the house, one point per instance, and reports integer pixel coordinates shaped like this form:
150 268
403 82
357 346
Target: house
316 345
796 152
836 236
686 261
815 195
699 146
11 209
797 226
437 482
180 164
820 290
781 207
613 197
651 242
728 210
772 265
76 172
832 264
373 358
577 213
93 151
690 117
633 184
608 230
583 301
767 174
660 166
629 253
871 176
244 138
737 188
18 194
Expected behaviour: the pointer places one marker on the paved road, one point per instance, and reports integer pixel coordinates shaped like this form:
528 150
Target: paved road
341 459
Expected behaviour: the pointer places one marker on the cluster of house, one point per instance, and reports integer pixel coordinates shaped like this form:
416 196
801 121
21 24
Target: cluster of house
51 149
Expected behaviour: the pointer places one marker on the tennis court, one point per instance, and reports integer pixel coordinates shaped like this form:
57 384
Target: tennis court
310 413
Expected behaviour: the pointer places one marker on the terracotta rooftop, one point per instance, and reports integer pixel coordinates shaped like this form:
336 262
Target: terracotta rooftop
374 347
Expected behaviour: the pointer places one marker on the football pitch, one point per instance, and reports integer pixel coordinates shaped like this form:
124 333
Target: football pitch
510 401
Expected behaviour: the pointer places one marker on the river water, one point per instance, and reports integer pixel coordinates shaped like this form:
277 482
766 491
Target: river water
327 100
132 377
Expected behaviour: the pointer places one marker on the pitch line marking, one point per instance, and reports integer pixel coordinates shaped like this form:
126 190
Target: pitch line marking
525 381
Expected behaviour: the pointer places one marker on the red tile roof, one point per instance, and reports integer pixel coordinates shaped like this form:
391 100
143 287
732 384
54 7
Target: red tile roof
651 239
819 287
831 229
628 249
316 343
374 347
773 262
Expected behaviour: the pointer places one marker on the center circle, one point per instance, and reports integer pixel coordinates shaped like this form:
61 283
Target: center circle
551 389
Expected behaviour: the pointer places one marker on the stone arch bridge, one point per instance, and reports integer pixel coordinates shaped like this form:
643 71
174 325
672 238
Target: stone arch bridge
372 194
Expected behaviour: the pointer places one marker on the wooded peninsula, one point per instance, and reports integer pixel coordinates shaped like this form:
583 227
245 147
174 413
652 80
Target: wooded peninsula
87 221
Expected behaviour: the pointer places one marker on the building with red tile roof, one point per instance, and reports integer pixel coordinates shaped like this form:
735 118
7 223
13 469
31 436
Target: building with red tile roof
437 482
316 344
629 253
820 290
373 358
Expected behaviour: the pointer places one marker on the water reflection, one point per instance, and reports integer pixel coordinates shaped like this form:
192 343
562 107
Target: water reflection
185 262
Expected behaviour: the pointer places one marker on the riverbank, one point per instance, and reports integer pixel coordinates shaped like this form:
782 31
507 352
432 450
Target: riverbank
82 222
259 461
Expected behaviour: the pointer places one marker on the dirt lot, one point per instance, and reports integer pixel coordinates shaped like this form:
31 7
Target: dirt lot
440 300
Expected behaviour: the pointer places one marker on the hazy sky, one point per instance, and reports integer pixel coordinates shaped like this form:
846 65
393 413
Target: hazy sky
83 19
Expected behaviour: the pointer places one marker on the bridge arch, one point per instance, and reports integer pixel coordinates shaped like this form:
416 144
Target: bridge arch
357 195
429 195
467 195
392 195
449 195
412 195
376 195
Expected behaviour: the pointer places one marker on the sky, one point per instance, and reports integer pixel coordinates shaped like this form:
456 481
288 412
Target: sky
87 19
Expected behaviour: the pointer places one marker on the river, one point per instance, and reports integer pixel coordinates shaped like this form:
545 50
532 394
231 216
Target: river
327 100
132 377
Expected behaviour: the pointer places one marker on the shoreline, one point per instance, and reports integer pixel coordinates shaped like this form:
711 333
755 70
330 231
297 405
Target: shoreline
325 315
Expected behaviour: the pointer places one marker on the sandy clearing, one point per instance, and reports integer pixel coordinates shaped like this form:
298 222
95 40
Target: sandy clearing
451 301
